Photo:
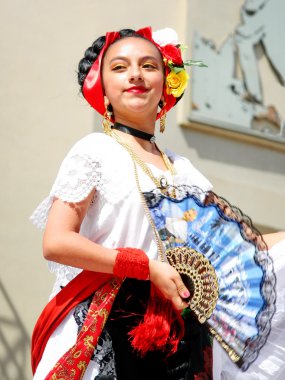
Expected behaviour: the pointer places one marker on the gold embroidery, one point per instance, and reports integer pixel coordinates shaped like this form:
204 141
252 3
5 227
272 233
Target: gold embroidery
70 361
87 342
85 345
77 354
82 366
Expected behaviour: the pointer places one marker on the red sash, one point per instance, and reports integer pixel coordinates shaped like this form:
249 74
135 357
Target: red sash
81 287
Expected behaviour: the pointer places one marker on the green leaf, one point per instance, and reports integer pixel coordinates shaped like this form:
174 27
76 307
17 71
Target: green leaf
174 68
191 62
177 69
186 313
183 47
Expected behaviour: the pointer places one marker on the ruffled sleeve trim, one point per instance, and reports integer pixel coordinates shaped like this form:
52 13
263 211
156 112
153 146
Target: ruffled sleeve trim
39 216
78 175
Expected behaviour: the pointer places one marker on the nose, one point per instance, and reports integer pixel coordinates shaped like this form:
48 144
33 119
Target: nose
135 74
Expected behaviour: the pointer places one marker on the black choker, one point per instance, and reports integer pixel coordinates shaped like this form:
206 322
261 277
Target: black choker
134 132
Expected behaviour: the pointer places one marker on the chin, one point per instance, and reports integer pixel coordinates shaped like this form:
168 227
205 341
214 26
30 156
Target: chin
140 106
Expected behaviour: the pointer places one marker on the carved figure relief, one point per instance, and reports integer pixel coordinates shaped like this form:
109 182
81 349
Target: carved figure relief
230 93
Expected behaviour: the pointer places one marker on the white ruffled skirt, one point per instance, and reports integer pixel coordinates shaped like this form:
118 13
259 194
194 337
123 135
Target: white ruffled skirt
270 364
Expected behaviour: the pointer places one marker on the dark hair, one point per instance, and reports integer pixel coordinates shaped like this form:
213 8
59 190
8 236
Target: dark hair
93 51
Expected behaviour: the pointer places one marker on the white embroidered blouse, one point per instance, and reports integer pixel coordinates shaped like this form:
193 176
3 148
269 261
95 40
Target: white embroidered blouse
116 217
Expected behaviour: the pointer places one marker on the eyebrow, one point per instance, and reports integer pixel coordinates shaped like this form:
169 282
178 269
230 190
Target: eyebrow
122 58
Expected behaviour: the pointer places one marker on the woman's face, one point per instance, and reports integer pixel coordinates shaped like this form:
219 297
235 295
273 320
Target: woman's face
133 78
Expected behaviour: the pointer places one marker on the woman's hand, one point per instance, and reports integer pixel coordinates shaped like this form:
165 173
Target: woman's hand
169 282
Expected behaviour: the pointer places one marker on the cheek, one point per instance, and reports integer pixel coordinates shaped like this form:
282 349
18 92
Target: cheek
159 83
111 84
160 78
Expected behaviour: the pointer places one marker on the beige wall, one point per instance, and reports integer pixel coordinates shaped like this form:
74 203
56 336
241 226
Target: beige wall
42 116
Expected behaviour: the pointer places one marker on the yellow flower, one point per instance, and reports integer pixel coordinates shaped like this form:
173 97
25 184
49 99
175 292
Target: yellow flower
176 83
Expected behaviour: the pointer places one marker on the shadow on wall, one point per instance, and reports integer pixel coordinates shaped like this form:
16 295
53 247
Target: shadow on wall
14 341
236 153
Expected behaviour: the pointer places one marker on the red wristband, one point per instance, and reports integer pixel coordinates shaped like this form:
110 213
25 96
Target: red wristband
131 262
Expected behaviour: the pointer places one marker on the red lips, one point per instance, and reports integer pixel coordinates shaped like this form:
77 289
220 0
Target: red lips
137 89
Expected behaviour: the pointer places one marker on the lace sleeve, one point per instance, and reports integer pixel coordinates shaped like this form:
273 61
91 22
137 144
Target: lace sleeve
79 174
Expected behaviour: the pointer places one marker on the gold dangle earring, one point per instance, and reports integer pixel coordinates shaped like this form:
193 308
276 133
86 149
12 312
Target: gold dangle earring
162 120
107 121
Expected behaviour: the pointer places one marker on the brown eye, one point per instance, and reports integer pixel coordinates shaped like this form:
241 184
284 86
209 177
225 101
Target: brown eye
149 65
118 67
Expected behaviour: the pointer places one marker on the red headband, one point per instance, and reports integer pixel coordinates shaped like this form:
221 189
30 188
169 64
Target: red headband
92 87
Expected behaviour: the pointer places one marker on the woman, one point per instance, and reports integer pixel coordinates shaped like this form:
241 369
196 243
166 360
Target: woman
99 326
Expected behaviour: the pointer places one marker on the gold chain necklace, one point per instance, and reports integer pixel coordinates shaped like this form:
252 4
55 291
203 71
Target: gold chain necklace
149 217
160 182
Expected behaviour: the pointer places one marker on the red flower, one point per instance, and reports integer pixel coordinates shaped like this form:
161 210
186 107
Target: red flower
172 53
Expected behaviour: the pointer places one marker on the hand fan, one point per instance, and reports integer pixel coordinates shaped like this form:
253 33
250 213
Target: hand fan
224 262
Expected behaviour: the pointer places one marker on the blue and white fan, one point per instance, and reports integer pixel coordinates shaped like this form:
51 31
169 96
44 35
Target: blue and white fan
224 262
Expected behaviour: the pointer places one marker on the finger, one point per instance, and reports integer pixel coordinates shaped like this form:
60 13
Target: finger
182 290
179 304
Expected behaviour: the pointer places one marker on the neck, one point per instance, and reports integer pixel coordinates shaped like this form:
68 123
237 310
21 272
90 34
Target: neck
134 132
132 137
136 142
141 122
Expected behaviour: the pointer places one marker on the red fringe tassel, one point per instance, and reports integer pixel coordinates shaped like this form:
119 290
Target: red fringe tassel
162 327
